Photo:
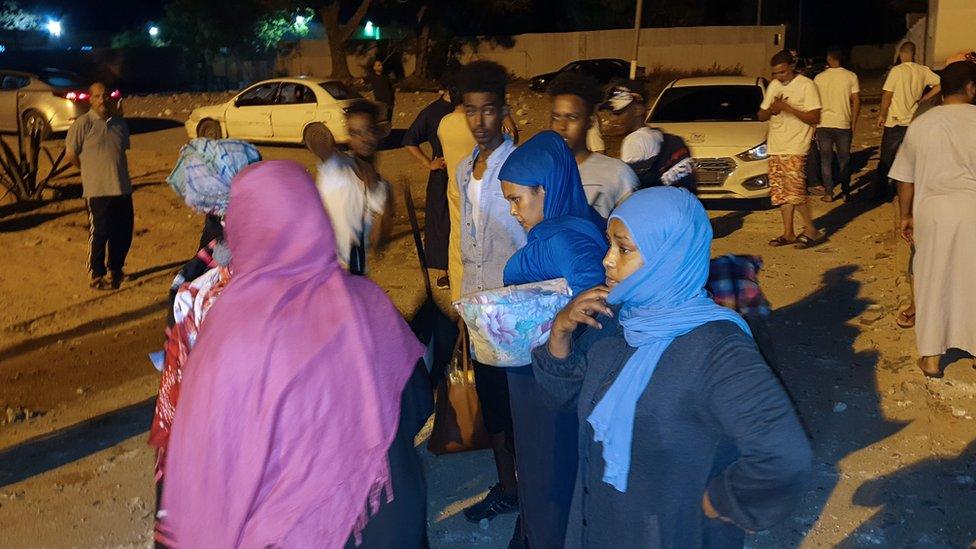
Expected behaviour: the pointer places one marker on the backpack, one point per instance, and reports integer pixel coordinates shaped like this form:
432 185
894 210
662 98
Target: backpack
672 166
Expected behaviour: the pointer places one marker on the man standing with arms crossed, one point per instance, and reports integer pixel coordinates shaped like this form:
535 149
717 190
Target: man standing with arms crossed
792 107
96 144
840 96
902 95
489 237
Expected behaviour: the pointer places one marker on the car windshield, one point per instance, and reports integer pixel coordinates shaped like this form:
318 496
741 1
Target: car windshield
339 91
61 79
708 104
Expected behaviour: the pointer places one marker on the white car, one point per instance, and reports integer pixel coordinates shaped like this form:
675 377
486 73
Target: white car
717 116
280 110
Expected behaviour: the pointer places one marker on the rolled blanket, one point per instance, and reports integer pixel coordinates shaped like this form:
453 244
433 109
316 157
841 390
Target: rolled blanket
205 169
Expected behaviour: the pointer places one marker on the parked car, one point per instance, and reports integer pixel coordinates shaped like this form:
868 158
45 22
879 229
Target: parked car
47 100
604 70
280 110
717 116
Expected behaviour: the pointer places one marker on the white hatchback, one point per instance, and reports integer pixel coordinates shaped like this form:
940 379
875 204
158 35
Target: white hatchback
717 116
281 110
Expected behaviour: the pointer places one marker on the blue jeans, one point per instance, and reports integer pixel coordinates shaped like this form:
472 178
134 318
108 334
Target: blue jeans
890 142
837 141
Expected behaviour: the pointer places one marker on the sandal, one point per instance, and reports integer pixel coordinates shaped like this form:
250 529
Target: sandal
905 320
781 241
804 242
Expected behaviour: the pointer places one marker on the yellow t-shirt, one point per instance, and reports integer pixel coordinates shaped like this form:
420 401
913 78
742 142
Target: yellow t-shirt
457 142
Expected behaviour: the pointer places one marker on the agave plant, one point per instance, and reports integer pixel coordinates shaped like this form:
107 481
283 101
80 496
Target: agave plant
19 172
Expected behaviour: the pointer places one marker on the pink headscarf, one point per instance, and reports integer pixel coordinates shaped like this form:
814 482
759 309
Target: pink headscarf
292 393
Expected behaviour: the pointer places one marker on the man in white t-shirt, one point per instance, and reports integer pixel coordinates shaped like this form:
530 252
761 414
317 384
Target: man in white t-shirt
903 92
841 99
792 107
606 181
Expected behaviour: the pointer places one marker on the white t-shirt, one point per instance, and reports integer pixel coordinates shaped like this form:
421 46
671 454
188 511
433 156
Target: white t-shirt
350 206
606 182
906 82
835 86
474 197
787 133
640 145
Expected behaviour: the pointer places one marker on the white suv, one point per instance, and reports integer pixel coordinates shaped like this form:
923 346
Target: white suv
717 118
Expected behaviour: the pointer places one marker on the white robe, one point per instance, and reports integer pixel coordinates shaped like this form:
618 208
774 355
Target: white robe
938 155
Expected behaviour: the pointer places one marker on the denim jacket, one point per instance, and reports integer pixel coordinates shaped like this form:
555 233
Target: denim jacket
485 252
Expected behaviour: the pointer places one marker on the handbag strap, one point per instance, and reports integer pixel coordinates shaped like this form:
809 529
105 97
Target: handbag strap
417 241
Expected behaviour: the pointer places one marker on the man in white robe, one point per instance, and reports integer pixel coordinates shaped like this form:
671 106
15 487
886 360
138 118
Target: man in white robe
936 171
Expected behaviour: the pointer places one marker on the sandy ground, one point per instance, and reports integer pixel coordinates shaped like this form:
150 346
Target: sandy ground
894 462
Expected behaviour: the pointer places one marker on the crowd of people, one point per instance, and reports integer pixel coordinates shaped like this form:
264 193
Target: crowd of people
292 389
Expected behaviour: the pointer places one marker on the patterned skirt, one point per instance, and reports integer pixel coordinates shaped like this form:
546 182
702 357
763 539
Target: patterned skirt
787 179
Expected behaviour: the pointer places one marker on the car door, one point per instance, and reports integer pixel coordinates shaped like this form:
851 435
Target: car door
249 115
8 102
294 107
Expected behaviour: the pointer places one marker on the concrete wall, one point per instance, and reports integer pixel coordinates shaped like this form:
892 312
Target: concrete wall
311 58
873 56
951 28
682 48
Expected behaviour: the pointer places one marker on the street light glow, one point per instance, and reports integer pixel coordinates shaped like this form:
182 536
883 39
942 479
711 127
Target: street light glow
299 20
54 27
154 31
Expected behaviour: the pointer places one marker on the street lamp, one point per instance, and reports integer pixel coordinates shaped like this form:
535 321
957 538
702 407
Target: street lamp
154 31
54 28
299 20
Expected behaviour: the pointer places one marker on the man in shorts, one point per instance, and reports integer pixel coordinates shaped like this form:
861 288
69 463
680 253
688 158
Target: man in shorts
792 107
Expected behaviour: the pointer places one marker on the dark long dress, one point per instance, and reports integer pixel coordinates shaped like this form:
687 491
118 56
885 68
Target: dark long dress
713 417
403 522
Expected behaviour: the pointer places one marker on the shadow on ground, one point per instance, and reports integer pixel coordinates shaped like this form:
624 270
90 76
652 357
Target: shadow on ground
833 386
42 454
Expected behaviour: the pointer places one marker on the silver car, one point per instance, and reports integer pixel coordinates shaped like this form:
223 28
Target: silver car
48 100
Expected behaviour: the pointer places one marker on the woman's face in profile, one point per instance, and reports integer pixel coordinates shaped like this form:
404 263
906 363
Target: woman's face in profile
623 258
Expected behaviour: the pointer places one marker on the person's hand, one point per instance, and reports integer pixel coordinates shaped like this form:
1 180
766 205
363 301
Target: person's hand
581 310
907 228
438 164
881 121
708 509
779 106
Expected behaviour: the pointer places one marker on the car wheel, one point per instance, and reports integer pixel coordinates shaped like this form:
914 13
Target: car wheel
34 121
209 129
318 139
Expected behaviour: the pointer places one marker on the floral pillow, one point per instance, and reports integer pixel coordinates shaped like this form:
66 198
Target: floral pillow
507 323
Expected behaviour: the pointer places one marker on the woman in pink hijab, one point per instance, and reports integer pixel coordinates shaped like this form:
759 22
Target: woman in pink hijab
292 394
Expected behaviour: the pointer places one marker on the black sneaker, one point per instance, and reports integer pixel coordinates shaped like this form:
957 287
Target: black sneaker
116 279
495 503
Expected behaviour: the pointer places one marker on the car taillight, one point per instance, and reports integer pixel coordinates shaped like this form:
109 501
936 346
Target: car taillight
115 94
73 95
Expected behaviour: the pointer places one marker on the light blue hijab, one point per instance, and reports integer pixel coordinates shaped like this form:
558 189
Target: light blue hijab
664 299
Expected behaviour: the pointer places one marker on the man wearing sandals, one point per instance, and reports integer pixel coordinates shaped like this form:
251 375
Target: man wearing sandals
936 171
792 107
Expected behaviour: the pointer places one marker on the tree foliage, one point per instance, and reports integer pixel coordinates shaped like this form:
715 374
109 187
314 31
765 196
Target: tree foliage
13 17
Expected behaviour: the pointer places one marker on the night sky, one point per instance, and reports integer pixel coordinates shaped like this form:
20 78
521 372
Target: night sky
825 22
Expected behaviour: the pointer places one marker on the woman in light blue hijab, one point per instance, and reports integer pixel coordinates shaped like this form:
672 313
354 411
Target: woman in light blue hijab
686 436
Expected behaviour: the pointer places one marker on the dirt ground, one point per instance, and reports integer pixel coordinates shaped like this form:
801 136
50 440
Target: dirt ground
894 463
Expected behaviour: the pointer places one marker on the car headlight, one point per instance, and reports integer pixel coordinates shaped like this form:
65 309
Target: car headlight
756 153
757 183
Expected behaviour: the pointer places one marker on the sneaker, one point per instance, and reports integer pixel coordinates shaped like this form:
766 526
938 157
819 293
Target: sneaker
495 503
116 280
443 283
99 283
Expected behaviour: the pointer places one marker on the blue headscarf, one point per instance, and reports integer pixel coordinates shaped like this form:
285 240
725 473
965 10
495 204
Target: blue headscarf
569 242
664 299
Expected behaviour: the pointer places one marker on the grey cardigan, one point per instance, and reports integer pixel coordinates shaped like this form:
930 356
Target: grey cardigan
713 417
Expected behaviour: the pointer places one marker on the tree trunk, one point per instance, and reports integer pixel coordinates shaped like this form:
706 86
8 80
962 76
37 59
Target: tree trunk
423 45
337 45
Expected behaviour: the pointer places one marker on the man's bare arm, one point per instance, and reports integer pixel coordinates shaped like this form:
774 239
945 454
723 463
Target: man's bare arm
936 90
885 105
855 109
71 158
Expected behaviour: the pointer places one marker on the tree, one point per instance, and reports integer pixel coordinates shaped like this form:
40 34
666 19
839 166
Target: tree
338 34
12 17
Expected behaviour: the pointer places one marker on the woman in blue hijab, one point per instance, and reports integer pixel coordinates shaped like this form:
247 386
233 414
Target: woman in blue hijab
686 436
565 240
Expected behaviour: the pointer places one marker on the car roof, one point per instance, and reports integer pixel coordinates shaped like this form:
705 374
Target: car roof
297 80
717 81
